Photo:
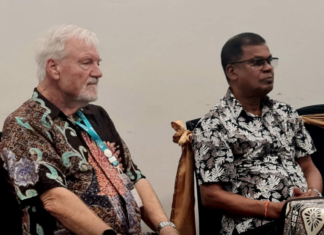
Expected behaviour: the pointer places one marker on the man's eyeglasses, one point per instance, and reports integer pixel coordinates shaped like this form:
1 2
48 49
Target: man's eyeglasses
259 62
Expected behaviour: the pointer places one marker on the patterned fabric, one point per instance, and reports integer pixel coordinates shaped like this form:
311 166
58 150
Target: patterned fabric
253 156
43 149
304 217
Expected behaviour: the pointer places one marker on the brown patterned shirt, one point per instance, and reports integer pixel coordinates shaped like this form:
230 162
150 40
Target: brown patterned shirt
43 149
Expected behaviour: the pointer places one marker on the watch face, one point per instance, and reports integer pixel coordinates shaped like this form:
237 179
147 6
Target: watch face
110 232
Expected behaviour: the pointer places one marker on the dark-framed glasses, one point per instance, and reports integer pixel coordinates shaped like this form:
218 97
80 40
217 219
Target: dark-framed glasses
258 62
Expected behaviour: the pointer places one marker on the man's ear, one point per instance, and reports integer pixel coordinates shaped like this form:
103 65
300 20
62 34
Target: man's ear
231 72
53 68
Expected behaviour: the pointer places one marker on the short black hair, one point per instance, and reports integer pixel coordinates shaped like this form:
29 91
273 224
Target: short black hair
232 50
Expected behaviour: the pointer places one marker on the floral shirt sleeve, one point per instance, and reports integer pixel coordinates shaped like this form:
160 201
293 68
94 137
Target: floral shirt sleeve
213 155
303 142
130 168
30 159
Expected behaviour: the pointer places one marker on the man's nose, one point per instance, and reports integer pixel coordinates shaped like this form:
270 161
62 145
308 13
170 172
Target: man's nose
267 66
96 72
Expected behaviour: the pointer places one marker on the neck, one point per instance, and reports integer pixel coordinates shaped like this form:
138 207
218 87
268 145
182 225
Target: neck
250 104
52 92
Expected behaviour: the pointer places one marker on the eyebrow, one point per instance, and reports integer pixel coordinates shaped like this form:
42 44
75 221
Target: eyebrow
256 57
90 58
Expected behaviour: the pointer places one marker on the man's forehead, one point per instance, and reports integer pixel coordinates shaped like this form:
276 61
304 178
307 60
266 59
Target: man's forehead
256 51
78 46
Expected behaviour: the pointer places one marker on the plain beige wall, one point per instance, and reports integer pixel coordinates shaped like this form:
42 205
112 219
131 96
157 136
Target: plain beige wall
161 61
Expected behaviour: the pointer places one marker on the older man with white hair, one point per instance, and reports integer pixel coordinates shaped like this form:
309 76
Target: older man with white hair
72 172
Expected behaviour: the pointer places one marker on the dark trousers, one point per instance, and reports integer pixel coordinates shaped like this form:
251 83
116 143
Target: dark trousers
267 229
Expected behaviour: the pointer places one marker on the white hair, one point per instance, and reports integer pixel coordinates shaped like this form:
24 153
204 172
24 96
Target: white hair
52 45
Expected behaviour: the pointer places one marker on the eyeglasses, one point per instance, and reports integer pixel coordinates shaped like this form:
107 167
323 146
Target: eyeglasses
259 62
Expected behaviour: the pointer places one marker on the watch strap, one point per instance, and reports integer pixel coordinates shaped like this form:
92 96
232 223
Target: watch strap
319 194
164 224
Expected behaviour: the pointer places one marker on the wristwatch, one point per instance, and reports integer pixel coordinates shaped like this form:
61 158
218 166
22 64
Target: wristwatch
109 232
319 194
164 224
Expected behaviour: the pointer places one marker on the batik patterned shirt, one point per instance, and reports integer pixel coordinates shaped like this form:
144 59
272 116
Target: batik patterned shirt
42 149
253 156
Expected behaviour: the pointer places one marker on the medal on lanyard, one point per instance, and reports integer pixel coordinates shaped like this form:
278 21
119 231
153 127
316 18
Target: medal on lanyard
112 159
89 129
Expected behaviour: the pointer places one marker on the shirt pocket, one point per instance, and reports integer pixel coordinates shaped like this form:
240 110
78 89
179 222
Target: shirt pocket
250 145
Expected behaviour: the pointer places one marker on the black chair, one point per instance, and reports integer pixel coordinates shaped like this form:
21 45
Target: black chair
9 208
317 134
209 219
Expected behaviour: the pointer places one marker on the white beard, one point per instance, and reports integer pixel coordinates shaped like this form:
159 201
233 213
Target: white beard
89 94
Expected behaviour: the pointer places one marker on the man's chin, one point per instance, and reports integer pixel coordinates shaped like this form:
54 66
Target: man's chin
267 89
91 99
263 90
87 98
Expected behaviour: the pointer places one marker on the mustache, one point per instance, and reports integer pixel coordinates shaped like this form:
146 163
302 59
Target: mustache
93 80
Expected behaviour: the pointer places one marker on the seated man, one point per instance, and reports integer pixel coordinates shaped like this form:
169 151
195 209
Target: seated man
252 153
71 170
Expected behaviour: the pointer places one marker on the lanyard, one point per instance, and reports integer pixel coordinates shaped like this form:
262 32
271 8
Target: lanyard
89 129
112 159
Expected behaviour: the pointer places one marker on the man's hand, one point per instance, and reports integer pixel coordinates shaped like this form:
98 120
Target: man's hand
299 194
275 207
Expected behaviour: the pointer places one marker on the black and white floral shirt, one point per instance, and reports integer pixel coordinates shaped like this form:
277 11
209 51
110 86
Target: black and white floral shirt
254 156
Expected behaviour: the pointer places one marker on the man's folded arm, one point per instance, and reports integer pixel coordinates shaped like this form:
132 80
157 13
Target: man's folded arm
214 196
65 206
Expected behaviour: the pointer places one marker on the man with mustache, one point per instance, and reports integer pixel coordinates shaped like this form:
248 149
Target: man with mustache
71 170
252 153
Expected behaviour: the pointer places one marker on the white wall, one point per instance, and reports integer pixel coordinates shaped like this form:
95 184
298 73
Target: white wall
161 61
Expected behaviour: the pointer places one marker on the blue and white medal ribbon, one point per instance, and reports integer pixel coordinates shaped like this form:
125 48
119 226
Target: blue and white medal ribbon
112 159
89 129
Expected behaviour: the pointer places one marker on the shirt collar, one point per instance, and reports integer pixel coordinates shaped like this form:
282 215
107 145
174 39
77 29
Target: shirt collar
236 108
267 104
233 104
55 111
